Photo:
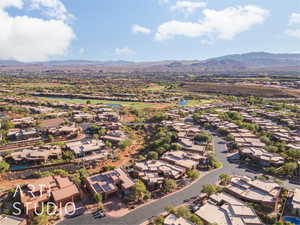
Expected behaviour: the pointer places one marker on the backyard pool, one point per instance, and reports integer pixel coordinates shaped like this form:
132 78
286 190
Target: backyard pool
293 220
18 167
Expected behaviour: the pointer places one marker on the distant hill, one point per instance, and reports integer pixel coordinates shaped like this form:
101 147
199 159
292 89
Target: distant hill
83 62
254 61
260 59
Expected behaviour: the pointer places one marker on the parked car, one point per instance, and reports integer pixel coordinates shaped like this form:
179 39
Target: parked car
194 208
99 215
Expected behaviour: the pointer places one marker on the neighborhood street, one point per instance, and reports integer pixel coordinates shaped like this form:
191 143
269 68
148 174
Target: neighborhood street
139 215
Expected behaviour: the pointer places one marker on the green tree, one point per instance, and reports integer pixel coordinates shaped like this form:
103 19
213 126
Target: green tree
183 211
157 118
234 115
50 138
265 140
102 132
68 156
138 191
159 220
61 172
196 220
4 166
7 124
222 131
193 174
224 178
203 137
209 189
108 168
152 155
40 220
98 198
108 144
170 209
169 185
289 168
293 154
124 144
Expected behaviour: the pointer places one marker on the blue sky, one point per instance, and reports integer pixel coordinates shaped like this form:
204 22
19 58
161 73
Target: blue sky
145 30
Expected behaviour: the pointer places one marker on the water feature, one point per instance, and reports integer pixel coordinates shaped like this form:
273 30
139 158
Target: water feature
183 102
293 220
18 167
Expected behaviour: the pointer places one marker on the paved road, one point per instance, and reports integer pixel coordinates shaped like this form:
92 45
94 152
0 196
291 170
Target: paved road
139 215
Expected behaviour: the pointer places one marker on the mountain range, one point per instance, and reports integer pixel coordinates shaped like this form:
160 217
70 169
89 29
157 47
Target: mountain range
253 61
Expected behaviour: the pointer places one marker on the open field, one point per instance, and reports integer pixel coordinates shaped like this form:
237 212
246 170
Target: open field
40 85
134 105
154 87
240 90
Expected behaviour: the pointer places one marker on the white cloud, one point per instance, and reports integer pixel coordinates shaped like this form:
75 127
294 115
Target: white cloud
140 29
187 7
294 25
294 33
224 24
163 1
126 52
295 19
27 39
52 8
11 3
81 51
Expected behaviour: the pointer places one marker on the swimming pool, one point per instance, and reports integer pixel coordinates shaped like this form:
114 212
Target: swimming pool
18 167
293 220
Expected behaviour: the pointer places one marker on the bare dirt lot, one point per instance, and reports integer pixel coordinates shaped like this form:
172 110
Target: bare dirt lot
240 90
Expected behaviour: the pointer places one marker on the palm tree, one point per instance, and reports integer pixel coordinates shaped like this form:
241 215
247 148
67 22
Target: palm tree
224 178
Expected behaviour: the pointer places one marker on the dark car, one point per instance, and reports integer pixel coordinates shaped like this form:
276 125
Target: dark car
78 212
99 215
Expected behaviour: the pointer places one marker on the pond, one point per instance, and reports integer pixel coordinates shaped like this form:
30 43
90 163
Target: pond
293 220
114 105
183 102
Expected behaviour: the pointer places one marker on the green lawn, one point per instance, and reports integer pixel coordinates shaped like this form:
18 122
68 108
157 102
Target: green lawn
40 85
135 105
199 102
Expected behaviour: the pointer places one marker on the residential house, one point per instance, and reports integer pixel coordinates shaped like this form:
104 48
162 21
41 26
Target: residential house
65 131
224 209
183 159
261 156
295 203
56 189
115 136
35 155
109 183
23 122
171 219
254 190
158 168
17 134
85 148
12 220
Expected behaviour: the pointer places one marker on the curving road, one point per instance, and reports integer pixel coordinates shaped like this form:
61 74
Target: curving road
139 215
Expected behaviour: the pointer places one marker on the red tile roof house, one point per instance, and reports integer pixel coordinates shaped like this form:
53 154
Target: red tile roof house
109 183
254 190
12 220
56 189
